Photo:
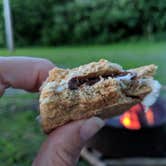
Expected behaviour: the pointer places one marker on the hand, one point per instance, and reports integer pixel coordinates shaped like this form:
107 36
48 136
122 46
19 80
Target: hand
63 146
23 73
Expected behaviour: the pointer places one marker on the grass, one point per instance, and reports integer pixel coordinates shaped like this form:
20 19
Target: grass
20 134
127 54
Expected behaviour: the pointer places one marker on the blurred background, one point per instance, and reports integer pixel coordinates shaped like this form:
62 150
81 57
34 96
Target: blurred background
71 33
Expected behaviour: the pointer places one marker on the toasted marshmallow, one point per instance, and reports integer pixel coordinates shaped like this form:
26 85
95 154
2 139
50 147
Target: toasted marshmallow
151 98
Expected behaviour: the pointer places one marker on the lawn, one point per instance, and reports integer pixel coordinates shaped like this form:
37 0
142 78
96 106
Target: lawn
20 134
127 54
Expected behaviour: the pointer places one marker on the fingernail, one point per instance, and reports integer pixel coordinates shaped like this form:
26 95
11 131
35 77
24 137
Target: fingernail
90 128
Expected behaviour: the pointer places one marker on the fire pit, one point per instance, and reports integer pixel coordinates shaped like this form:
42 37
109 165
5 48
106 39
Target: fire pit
135 134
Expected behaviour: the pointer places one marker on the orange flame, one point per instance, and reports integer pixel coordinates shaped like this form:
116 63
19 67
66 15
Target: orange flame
130 119
150 117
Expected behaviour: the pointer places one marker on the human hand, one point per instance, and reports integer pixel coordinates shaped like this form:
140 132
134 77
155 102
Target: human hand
23 73
63 145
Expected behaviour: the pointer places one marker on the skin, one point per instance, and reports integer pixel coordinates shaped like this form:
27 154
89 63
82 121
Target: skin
63 146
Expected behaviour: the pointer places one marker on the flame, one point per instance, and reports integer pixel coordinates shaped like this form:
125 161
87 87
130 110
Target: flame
130 119
150 117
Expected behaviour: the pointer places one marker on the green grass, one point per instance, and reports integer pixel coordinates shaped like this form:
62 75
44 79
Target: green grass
20 134
20 138
127 54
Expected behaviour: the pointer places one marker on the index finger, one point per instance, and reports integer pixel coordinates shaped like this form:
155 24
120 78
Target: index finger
24 72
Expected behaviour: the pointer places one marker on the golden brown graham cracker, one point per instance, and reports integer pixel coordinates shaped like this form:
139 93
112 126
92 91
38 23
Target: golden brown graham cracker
101 89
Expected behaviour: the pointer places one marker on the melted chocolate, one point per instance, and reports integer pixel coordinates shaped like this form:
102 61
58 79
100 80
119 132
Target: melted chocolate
76 82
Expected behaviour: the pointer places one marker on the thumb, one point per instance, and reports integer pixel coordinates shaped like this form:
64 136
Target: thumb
64 145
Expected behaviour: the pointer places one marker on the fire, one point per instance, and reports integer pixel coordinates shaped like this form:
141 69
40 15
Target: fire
130 119
150 117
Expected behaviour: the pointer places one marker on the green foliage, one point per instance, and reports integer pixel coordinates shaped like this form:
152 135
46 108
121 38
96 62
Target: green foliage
55 22
30 20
